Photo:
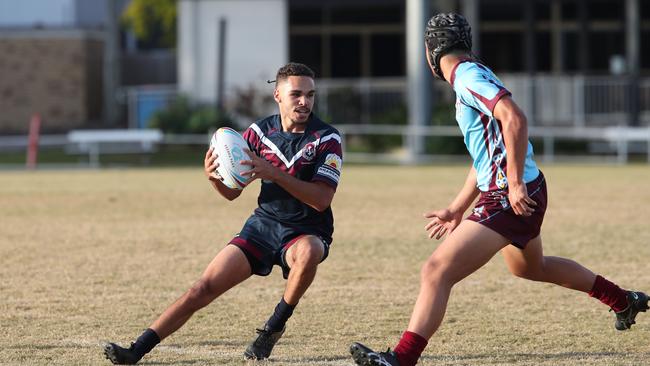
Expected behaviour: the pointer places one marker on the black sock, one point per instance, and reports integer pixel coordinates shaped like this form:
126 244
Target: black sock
280 316
146 342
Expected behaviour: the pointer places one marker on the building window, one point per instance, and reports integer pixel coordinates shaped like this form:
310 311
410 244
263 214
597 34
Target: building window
366 15
570 51
387 55
501 10
308 16
543 52
609 44
645 51
502 51
569 10
346 56
606 10
355 38
307 50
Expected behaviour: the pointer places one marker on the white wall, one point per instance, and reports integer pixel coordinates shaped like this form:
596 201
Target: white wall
256 45
55 13
27 13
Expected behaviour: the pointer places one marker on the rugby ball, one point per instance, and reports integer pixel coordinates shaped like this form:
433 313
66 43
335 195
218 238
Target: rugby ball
229 147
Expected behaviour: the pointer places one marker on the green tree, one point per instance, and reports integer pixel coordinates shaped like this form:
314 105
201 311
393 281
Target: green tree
152 21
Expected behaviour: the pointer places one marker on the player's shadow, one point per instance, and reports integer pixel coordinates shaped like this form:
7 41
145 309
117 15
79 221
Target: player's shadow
219 342
526 357
176 362
304 360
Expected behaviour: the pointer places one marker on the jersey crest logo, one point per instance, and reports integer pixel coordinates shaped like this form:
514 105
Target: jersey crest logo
501 180
309 151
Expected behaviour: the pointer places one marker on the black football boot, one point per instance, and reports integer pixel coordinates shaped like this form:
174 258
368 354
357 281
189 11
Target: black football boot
637 302
262 346
364 356
120 355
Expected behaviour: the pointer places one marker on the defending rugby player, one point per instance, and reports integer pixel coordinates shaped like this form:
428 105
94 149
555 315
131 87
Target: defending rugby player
510 208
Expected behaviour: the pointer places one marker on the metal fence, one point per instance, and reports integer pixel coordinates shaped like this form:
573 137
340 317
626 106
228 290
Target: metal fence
547 100
592 110
580 101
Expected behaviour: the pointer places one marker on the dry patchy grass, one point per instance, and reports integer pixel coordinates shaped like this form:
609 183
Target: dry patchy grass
89 256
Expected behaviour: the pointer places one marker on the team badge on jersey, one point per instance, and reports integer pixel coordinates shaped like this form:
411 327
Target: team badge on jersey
309 151
501 181
334 161
331 168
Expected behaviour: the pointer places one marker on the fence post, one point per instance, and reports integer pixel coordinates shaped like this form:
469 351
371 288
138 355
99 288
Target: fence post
549 148
579 100
621 143
32 145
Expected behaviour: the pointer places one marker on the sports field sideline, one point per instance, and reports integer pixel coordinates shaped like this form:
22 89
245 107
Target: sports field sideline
90 256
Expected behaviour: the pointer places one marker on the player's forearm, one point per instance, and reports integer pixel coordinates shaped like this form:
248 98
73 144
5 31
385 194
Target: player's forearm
515 135
311 194
227 193
467 194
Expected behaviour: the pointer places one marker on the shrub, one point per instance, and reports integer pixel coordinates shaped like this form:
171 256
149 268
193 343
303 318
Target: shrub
181 116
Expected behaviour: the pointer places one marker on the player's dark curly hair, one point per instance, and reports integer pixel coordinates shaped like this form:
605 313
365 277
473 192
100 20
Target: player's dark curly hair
293 69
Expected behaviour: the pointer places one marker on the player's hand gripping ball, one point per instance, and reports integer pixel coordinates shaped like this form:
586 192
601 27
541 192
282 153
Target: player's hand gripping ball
229 147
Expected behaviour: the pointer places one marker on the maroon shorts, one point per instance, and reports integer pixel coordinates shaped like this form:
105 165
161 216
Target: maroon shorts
493 210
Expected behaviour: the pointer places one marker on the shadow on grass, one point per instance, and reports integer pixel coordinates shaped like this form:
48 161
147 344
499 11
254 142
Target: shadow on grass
301 361
534 356
219 342
176 362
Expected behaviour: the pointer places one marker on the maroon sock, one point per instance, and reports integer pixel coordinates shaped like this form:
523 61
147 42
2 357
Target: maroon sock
609 294
410 348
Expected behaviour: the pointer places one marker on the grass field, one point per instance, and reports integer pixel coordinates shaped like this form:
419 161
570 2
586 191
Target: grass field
90 256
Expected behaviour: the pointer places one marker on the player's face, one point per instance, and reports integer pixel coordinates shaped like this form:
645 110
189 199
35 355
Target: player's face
295 97
429 60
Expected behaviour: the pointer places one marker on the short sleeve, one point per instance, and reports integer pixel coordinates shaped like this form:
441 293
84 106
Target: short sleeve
478 88
329 160
252 139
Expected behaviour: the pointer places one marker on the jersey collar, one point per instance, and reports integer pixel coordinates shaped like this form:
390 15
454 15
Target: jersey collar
452 78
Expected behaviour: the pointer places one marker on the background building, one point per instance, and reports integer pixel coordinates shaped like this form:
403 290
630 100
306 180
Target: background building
569 62
69 61
540 46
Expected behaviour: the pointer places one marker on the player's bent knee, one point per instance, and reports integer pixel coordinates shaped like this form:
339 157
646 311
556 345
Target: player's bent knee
309 254
526 273
201 294
432 271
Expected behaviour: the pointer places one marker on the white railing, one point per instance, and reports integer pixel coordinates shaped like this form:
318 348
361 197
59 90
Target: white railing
548 100
619 139
591 109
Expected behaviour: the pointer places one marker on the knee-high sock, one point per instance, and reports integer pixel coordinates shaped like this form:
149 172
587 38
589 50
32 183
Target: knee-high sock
282 313
410 348
609 294
146 342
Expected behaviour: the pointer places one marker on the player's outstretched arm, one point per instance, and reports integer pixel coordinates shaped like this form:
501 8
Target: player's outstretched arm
445 221
317 195
210 168
467 194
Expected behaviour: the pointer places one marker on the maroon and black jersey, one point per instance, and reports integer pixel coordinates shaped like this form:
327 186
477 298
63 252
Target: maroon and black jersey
314 155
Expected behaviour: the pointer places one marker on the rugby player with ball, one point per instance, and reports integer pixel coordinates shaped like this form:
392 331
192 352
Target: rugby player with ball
298 159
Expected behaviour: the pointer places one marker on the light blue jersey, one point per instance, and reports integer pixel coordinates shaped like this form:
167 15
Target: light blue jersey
477 92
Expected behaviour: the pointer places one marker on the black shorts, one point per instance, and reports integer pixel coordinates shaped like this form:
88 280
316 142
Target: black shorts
265 242
493 210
